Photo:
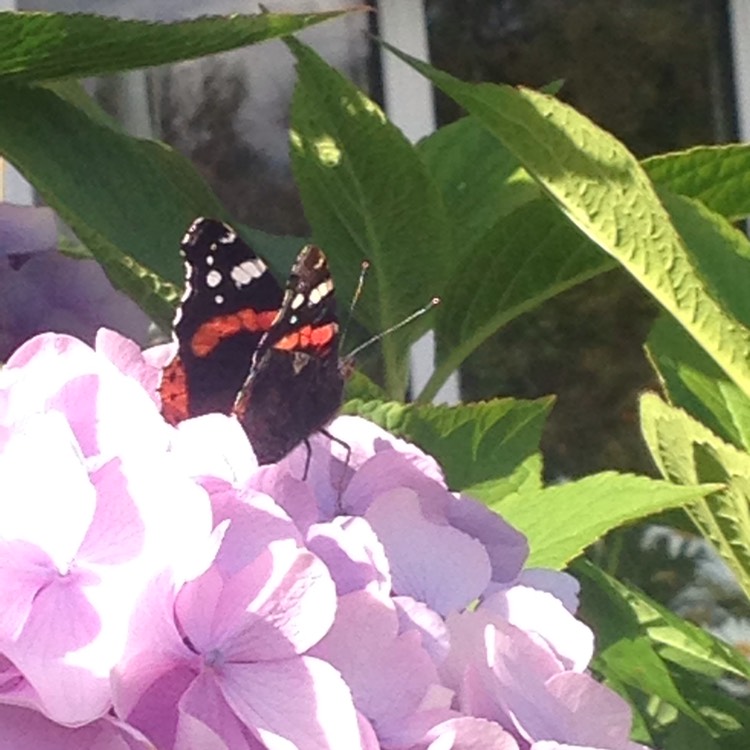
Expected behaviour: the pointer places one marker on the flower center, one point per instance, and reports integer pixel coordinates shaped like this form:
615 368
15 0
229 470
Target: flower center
214 659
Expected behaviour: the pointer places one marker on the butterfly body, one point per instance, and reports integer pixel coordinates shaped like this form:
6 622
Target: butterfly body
246 348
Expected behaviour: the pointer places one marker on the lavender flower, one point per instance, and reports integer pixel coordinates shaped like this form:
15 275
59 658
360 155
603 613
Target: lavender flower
162 590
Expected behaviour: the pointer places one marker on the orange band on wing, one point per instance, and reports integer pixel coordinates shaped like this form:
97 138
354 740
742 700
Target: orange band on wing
213 332
173 392
308 337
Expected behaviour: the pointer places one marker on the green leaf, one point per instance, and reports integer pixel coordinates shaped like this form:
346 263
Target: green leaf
725 718
686 452
480 179
529 256
561 521
677 640
50 46
128 200
367 194
697 384
719 252
472 442
280 251
634 661
718 176
603 190
359 386
642 644
526 477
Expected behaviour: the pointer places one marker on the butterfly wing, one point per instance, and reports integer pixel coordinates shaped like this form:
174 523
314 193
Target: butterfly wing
230 302
295 385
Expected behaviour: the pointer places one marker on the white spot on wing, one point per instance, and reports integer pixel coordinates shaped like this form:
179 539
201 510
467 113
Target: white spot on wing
219 299
213 278
229 237
188 290
298 301
243 273
320 292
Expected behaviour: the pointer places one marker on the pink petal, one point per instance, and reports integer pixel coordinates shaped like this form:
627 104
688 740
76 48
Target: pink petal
367 439
588 713
391 675
155 647
51 508
195 612
385 472
367 735
140 501
116 531
206 720
15 688
122 417
277 606
128 358
62 624
469 733
542 615
45 347
38 369
434 563
506 546
146 499
22 728
108 411
155 712
414 615
160 355
323 714
254 522
528 702
291 612
24 571
353 554
487 655
333 463
561 585
216 446
292 494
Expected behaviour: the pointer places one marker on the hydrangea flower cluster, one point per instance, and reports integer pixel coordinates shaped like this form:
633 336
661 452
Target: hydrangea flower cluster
160 590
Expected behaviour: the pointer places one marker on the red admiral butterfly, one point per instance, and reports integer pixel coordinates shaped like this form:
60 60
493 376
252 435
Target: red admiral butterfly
249 349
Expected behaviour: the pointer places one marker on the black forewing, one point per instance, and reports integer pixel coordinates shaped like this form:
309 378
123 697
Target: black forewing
229 303
295 385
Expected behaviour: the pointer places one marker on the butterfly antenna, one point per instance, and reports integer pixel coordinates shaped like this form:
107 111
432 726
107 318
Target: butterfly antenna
364 268
416 314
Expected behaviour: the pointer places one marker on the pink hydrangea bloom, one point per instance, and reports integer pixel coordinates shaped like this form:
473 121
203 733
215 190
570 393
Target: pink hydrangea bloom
552 702
443 549
225 657
86 517
160 587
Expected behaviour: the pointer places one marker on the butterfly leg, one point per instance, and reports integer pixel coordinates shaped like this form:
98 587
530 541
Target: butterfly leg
308 458
348 450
